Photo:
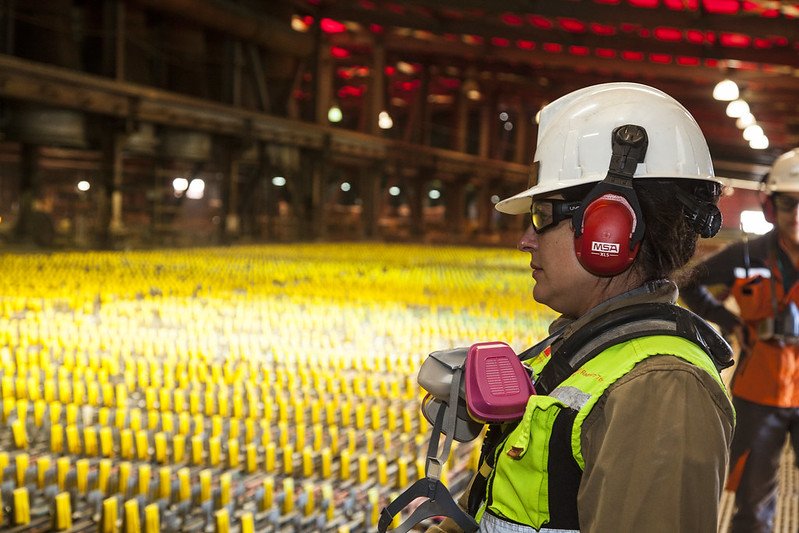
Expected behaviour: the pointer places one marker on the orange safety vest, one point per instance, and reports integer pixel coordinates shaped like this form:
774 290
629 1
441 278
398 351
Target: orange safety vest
769 372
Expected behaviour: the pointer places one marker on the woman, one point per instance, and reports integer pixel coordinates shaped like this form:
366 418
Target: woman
631 424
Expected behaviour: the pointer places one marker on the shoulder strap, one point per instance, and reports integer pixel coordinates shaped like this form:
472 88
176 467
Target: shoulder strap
628 323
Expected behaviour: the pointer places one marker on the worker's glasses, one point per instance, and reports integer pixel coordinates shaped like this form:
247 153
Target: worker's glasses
785 203
548 213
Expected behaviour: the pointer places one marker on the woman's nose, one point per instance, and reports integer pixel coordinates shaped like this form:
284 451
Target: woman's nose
529 240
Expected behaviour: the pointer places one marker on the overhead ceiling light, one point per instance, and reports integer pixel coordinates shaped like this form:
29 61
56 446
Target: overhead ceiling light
334 114
745 121
752 132
726 91
759 143
384 121
737 108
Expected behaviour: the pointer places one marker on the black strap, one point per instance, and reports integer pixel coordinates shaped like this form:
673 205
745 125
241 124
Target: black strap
439 500
631 322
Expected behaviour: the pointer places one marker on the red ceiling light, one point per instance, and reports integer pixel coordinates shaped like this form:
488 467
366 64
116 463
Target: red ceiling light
761 43
602 29
735 40
688 61
663 59
779 40
339 52
711 63
525 45
390 70
627 27
539 22
695 36
552 47
578 50
645 3
605 52
377 29
500 41
630 55
512 19
682 5
367 4
351 91
668 34
572 25
332 26
722 7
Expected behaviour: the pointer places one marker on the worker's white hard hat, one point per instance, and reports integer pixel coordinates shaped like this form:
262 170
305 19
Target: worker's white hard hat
574 140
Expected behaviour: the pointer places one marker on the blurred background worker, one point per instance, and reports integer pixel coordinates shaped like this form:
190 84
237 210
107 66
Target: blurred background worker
762 278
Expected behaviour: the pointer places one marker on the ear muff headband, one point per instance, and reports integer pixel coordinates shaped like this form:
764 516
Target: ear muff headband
609 226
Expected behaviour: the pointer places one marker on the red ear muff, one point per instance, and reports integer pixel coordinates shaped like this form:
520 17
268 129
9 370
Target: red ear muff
603 245
768 209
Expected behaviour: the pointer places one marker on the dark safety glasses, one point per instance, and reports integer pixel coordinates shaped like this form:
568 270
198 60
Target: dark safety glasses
785 203
548 213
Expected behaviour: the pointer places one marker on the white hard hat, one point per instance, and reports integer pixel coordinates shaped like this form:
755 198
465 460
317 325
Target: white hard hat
784 174
574 140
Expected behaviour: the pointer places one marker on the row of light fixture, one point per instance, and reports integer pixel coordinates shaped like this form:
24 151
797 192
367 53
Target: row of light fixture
384 120
737 108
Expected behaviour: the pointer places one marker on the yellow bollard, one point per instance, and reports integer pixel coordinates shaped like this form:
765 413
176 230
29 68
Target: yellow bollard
124 473
152 519
310 498
132 516
142 445
106 442
222 519
184 484
164 482
144 480
42 466
344 467
252 458
103 473
22 510
20 434
247 523
225 481
307 462
326 463
197 450
22 461
108 523
269 457
62 469
82 474
288 460
63 512
178 448
382 470
288 496
269 493
205 485
214 451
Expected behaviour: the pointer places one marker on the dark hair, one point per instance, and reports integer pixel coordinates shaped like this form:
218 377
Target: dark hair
669 238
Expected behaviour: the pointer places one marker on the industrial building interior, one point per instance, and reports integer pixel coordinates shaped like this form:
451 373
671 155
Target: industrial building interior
232 230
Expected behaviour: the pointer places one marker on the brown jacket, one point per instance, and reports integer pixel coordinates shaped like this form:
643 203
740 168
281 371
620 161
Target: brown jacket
655 445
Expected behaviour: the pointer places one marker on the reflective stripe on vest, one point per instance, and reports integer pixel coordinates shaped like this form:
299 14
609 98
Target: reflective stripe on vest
519 484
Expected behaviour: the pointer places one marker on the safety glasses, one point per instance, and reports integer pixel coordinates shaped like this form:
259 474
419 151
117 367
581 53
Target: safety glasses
548 213
785 203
